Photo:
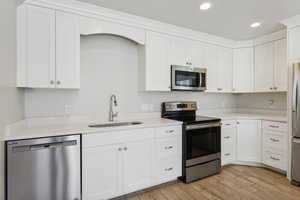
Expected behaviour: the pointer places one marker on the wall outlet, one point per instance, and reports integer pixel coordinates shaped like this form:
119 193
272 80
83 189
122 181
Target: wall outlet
68 109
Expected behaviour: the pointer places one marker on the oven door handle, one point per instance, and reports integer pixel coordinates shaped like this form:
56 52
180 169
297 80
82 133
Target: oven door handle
202 126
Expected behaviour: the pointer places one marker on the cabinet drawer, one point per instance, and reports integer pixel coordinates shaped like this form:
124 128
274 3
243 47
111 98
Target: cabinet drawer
167 147
168 131
275 126
168 170
275 159
228 124
276 140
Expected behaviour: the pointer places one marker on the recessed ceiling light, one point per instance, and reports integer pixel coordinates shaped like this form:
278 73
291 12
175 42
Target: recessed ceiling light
205 6
255 25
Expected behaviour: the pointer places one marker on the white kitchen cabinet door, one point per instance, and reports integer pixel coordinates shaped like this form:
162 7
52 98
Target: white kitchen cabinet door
178 52
280 65
40 51
157 70
195 54
210 62
101 172
294 44
264 65
243 70
137 165
249 140
224 69
67 51
228 142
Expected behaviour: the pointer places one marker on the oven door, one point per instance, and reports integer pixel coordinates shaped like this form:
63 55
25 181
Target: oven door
188 78
203 143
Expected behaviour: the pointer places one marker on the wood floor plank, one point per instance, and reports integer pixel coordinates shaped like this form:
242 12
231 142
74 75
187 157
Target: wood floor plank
233 183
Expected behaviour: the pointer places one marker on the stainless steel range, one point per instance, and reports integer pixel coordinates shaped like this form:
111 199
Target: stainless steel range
201 140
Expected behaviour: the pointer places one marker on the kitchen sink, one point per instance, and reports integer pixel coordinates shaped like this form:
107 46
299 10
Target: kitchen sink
114 124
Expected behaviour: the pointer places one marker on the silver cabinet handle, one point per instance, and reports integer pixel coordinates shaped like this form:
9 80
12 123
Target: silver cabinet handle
273 126
51 82
237 122
169 169
273 158
227 124
227 137
169 147
275 88
227 154
58 82
125 148
119 149
219 89
170 131
274 140
271 88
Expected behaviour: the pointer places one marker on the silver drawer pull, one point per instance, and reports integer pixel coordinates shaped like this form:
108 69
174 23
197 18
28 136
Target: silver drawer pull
169 147
273 158
274 140
169 169
227 137
227 154
227 124
272 126
170 131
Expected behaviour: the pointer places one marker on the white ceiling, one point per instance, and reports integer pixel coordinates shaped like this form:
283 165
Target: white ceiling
226 18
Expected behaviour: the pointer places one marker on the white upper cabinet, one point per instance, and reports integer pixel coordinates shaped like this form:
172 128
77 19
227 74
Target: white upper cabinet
185 52
154 68
210 62
264 67
243 70
36 47
67 51
294 44
177 52
224 69
280 65
48 48
271 66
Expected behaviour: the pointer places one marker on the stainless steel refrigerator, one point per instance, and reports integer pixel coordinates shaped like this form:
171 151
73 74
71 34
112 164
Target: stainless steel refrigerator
296 124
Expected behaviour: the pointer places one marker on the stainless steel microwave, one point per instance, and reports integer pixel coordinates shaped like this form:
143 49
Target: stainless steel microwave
188 78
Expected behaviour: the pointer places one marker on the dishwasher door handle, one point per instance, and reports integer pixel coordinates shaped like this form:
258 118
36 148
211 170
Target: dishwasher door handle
36 147
46 146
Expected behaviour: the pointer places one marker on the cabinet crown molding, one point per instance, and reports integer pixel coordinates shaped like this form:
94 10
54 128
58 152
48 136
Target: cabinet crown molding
93 11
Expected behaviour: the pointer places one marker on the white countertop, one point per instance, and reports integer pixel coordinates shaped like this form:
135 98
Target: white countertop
235 116
34 128
46 128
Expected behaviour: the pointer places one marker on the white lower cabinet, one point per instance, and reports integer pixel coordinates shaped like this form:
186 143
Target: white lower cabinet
101 172
137 165
118 163
228 142
249 140
254 141
275 142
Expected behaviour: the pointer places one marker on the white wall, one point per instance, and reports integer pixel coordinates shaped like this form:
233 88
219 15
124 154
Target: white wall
11 99
109 65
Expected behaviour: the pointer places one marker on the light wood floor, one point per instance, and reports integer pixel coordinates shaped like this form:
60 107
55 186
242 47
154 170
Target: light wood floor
235 182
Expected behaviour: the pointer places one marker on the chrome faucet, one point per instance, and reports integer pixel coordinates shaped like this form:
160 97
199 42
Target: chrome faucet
112 106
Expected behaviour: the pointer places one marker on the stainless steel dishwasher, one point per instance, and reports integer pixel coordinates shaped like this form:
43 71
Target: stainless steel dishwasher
44 168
